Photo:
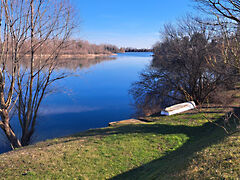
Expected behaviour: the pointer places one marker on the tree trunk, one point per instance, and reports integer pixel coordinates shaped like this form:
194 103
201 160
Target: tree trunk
26 138
14 142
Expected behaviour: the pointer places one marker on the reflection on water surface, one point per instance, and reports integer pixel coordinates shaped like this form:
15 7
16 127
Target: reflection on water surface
95 94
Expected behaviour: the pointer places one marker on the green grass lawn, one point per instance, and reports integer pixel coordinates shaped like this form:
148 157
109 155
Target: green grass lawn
177 147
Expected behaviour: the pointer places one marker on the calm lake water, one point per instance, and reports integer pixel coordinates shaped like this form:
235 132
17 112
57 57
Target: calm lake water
93 96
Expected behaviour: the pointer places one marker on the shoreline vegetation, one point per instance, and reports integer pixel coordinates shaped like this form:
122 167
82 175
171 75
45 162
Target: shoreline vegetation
89 56
83 49
75 55
76 49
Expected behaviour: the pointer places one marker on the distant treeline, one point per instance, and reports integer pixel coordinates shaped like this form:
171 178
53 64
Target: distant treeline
84 47
74 48
137 50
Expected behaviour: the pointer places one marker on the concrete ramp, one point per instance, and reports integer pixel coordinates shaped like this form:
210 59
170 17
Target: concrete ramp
128 121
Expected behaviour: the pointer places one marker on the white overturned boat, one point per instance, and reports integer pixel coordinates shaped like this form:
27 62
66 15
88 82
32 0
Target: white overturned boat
178 108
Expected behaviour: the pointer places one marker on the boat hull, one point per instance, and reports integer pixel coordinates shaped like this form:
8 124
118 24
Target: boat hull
178 108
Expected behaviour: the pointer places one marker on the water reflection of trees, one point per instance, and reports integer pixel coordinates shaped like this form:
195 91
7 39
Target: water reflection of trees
80 63
40 87
70 64
148 92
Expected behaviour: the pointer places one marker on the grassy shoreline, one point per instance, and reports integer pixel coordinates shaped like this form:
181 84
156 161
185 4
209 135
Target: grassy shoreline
181 146
76 55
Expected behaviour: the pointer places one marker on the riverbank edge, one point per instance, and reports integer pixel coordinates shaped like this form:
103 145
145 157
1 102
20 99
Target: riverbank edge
24 156
76 56
87 56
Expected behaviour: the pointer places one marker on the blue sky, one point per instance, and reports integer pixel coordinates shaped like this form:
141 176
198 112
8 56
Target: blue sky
127 23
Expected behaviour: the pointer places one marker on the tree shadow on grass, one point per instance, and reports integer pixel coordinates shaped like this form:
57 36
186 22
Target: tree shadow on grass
199 137
170 165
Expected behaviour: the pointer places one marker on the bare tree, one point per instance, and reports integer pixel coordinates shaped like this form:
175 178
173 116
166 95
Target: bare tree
180 68
226 23
229 9
33 32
